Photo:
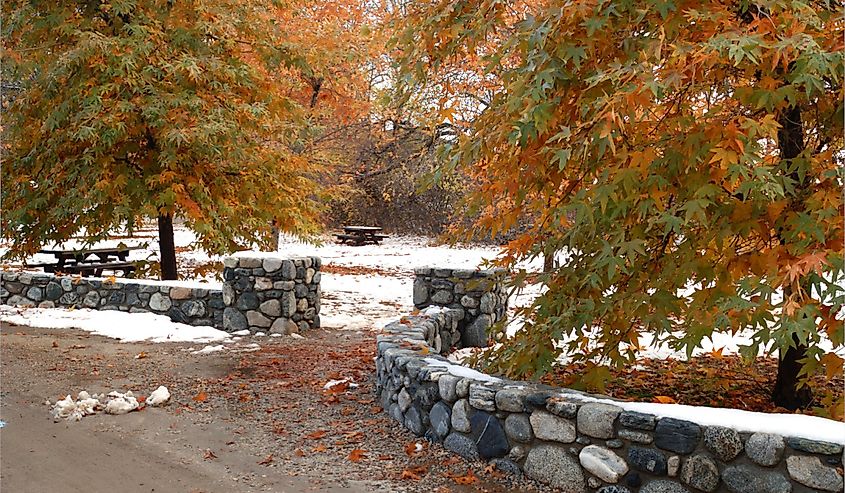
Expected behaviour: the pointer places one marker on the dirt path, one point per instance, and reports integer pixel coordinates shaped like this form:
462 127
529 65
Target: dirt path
237 422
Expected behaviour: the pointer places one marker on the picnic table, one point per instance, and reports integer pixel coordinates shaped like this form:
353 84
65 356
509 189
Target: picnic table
89 261
360 235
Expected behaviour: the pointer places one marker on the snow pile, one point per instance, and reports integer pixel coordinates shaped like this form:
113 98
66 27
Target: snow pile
71 410
129 327
159 397
334 383
462 371
113 403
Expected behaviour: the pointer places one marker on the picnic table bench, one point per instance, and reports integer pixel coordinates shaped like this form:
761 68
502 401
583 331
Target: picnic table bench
89 261
360 235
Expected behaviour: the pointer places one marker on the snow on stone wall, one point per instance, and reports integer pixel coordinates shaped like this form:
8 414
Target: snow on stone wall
583 443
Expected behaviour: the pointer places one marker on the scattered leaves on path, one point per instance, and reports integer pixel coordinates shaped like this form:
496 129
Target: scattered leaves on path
357 454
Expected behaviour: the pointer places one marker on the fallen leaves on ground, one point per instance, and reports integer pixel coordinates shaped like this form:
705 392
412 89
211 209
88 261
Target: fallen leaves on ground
209 455
316 435
468 478
415 449
357 454
414 472
266 461
201 397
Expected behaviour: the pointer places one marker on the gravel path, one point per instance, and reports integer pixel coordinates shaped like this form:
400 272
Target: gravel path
237 421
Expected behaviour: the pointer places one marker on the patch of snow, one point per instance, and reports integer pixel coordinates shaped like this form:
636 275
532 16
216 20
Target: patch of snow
246 349
260 334
211 348
296 336
463 371
121 403
74 410
333 383
129 327
275 335
158 397
244 332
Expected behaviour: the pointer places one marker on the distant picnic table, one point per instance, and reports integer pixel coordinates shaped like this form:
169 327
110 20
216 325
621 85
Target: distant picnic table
89 261
360 235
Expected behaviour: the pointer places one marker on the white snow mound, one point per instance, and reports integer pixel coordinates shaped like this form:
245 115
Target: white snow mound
159 397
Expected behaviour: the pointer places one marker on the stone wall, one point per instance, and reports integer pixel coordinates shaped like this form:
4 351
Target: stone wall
258 293
566 439
477 297
186 303
268 293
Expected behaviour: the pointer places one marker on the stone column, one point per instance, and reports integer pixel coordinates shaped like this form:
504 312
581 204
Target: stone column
478 294
266 293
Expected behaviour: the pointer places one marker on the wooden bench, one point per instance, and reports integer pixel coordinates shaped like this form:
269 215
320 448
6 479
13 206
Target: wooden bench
360 235
95 269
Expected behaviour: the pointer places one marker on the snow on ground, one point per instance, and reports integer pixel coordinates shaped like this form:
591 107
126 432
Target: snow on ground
129 327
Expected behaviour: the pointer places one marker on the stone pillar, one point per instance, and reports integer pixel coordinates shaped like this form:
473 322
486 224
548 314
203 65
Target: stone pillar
266 293
479 295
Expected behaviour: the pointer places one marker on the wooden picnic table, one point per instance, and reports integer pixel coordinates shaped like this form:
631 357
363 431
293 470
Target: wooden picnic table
360 235
90 261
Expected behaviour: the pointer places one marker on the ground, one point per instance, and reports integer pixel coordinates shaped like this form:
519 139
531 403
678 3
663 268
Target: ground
237 422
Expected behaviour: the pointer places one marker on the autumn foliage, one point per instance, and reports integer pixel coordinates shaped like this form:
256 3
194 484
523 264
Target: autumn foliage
682 159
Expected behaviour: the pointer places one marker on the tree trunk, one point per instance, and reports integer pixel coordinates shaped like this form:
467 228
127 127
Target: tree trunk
548 262
167 247
786 393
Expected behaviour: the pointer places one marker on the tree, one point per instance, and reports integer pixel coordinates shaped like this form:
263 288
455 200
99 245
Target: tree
685 156
155 109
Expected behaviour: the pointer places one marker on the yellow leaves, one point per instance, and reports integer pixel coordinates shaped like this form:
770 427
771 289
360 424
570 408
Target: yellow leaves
663 399
810 262
356 455
200 397
832 364
724 157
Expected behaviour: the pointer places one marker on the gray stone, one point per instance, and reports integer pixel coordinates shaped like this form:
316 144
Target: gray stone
247 301
67 284
249 263
68 298
50 304
447 385
749 479
263 284
193 308
663 486
647 460
488 303
426 394
414 422
271 264
551 464
639 421
725 443
562 408
302 304
517 453
673 465
160 302
403 399
596 419
442 297
271 308
814 446
518 427
677 435
440 418
481 397
547 426
283 326
53 291
700 472
228 294
593 482
583 440
602 463
462 388
462 445
288 270
635 436
510 400
475 334
180 293
284 285
613 489
309 275
469 302
92 299
765 449
615 443
420 291
233 320
288 302
810 472
460 415
256 319
507 466
489 435
35 294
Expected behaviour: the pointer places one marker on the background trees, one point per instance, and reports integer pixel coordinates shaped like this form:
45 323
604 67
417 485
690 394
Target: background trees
684 156
153 109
